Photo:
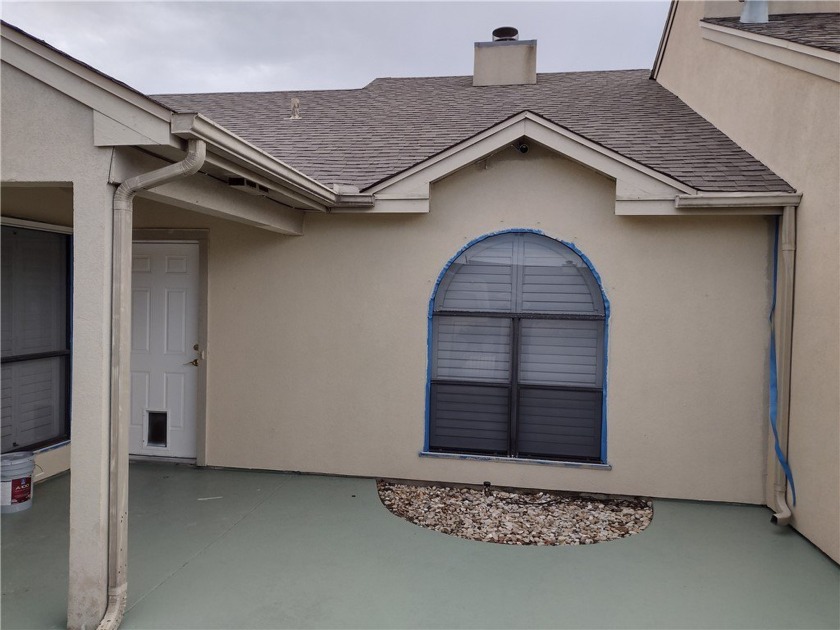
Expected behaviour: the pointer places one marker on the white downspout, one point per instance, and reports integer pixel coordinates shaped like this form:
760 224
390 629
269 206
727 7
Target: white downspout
783 320
121 370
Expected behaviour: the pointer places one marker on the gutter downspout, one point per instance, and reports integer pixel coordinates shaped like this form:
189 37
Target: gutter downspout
121 370
783 324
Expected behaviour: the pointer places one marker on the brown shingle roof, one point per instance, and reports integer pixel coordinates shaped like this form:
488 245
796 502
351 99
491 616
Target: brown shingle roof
818 30
363 136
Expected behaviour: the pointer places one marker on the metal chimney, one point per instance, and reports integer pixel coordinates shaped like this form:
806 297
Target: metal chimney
505 34
754 12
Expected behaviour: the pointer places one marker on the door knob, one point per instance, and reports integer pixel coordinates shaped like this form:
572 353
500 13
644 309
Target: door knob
193 362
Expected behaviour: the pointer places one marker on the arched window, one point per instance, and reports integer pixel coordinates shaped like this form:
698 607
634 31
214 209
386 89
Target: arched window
517 353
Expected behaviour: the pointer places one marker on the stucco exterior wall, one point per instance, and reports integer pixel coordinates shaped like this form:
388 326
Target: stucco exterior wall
317 348
47 140
789 120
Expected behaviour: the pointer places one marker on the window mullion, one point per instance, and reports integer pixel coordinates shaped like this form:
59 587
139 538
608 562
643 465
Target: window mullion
514 386
517 273
517 281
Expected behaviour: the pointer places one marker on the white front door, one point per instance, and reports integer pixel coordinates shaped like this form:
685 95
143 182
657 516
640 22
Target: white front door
164 349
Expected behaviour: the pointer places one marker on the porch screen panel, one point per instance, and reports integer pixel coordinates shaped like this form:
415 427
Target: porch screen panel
35 346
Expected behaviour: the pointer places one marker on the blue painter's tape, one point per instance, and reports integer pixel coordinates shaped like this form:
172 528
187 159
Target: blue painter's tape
431 313
774 385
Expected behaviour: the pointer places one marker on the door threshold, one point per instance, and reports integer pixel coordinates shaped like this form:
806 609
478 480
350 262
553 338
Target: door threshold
160 459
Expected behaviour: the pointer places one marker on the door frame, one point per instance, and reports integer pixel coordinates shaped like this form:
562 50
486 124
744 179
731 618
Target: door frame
200 236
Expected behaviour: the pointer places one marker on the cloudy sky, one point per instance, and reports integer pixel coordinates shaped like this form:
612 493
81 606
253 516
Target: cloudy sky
160 47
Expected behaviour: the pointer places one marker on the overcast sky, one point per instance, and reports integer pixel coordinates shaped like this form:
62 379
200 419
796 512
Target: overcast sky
160 47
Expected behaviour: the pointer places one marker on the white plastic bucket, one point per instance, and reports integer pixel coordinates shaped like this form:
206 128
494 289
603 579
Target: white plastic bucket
16 481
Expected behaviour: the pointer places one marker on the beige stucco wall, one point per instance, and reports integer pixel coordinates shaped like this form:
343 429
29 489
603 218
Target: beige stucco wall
788 119
46 141
317 344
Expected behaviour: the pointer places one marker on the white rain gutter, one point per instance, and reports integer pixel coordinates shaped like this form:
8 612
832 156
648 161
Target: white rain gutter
121 370
737 200
783 324
227 145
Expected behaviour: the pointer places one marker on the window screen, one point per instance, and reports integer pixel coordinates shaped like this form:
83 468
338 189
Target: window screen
35 337
518 352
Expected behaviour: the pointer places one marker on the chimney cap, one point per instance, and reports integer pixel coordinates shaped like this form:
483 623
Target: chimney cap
505 34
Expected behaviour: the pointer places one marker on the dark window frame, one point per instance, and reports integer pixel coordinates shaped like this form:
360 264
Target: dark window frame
514 386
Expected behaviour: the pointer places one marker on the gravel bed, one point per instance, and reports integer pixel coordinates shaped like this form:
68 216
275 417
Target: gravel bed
513 517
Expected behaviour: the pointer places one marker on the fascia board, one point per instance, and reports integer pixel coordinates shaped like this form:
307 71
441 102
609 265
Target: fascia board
108 132
822 63
221 141
388 205
79 82
663 41
627 173
416 180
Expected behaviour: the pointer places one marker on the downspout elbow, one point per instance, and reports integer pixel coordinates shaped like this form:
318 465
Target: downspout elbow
783 514
192 162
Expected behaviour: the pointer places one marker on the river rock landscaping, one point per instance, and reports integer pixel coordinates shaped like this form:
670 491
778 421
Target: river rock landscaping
517 517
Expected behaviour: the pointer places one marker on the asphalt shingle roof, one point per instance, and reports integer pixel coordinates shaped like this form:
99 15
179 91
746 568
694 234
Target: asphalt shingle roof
818 30
363 136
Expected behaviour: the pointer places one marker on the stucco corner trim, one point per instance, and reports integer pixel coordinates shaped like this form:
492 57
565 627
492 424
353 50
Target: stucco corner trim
822 63
516 460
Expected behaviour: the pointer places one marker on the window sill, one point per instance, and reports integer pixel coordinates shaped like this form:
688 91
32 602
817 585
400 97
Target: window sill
51 447
516 460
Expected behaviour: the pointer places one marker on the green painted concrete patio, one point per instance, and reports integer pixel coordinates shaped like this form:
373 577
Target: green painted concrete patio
237 549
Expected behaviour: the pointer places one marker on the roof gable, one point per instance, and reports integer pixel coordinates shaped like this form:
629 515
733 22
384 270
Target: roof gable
634 181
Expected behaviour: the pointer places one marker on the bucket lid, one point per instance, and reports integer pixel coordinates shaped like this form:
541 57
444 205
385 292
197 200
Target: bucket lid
9 459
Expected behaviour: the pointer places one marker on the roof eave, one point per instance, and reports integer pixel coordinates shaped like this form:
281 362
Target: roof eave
230 147
717 200
816 61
